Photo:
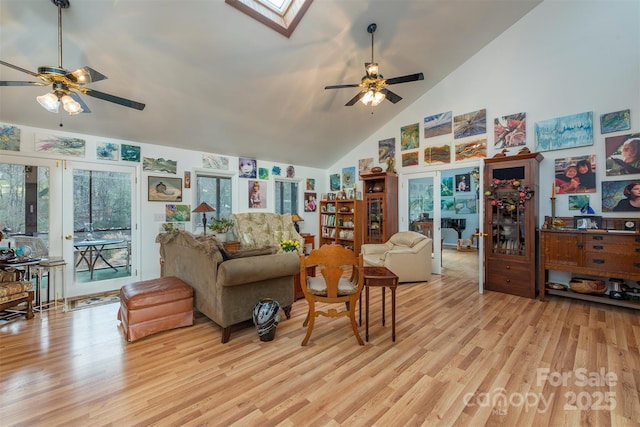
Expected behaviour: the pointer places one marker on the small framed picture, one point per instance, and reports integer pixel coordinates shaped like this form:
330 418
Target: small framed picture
163 189
590 222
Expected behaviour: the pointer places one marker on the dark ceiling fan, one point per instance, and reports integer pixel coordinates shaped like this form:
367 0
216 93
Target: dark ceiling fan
374 86
67 85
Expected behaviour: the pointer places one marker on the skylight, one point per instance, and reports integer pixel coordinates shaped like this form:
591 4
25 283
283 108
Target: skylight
280 15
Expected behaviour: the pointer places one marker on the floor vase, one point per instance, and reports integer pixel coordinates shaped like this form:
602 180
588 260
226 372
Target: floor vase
266 315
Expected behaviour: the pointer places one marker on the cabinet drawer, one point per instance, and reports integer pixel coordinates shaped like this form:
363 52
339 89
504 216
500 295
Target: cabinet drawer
515 279
613 262
611 239
600 248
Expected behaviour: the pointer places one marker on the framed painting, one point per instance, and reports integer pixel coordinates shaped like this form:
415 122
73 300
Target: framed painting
438 124
130 153
437 154
386 149
621 196
107 151
470 124
623 154
510 131
177 213
564 132
409 137
590 222
164 189
9 138
616 121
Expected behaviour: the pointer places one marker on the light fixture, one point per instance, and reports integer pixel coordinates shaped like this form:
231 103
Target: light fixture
204 208
372 68
49 102
296 219
70 105
372 97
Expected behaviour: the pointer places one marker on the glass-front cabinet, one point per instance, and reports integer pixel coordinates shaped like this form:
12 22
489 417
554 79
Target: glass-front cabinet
510 220
381 204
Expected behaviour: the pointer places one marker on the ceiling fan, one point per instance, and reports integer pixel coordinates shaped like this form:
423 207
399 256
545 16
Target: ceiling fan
67 85
374 86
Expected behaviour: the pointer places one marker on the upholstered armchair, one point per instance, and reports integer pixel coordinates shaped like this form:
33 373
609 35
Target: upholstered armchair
14 290
407 254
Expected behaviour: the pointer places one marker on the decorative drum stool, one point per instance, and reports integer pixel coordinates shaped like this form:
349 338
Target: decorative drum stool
155 305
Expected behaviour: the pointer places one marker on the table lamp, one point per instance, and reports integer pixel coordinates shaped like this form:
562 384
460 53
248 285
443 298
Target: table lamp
204 208
296 218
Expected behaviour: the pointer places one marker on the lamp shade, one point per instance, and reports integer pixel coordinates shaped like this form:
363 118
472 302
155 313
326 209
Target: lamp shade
296 218
204 207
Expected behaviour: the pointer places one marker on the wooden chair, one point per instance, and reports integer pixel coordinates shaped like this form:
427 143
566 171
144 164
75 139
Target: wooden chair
340 282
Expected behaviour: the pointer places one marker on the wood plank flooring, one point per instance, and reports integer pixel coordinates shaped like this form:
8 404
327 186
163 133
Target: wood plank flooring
461 358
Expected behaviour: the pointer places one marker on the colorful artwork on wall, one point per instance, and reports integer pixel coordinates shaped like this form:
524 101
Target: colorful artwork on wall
257 195
213 161
311 184
364 165
471 149
159 165
334 182
130 153
9 138
616 121
437 154
446 186
470 124
465 205
348 176
263 173
438 124
386 149
310 202
163 189
564 132
621 196
247 168
177 213
510 131
66 146
623 154
578 201
410 137
107 151
575 174
411 158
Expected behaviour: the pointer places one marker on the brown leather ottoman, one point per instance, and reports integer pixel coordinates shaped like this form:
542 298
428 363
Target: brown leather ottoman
155 305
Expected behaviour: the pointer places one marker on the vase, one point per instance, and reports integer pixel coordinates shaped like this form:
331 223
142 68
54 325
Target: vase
266 315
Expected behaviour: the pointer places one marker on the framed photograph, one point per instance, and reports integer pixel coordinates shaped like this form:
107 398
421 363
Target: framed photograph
590 222
163 189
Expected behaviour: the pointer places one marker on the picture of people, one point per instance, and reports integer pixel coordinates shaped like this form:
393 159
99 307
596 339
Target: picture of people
310 202
575 175
621 196
623 154
257 195
463 183
247 168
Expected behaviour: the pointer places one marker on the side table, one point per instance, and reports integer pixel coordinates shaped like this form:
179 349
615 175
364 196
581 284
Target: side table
52 266
383 278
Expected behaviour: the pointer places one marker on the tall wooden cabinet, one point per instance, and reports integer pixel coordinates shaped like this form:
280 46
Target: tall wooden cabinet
381 206
510 219
341 223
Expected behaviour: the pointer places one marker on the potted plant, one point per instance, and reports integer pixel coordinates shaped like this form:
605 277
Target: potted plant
220 227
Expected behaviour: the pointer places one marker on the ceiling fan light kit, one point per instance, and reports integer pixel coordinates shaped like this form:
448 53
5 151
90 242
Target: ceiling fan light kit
373 85
67 86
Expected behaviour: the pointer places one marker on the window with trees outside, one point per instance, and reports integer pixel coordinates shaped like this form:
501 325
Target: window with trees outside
286 197
216 192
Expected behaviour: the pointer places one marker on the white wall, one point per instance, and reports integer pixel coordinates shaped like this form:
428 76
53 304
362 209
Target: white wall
563 58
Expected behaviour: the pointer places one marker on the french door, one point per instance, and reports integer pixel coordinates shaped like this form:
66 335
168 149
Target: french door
81 211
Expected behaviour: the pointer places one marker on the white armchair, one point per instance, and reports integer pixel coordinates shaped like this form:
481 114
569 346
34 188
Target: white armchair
407 254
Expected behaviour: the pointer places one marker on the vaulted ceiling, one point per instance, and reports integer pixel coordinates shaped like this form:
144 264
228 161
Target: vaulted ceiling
216 81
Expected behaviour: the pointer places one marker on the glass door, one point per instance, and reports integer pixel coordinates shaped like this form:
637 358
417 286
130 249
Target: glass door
421 210
99 229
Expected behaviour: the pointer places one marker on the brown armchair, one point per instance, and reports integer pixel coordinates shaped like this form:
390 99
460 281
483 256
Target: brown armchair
15 291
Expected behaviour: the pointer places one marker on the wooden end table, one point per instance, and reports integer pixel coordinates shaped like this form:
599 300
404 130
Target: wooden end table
383 278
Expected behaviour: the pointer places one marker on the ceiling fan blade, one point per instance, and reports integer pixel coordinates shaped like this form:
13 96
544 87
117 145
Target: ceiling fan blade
341 86
112 98
405 79
393 97
15 67
6 83
85 75
355 99
76 97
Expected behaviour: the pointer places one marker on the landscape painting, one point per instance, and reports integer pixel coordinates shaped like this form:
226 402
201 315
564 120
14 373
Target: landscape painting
437 154
66 146
410 159
9 138
409 137
438 124
130 153
564 132
213 161
470 124
471 149
107 151
159 165
616 121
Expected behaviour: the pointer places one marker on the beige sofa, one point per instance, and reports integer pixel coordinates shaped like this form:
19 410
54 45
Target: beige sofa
228 285
407 254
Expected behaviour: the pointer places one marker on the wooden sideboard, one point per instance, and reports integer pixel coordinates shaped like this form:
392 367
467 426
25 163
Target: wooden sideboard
595 253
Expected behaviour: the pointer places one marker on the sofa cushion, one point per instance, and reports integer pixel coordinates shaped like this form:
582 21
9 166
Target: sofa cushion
406 238
243 253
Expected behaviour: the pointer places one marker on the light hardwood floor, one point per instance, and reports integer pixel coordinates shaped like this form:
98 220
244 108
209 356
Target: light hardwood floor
460 358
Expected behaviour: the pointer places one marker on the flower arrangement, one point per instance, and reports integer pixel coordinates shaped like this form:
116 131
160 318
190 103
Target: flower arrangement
290 245
220 225
508 202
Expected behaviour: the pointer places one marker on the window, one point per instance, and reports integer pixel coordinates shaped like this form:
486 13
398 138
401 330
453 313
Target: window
216 192
286 197
280 15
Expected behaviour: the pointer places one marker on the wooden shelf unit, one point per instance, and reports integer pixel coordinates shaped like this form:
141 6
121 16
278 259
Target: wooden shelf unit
381 206
341 223
594 253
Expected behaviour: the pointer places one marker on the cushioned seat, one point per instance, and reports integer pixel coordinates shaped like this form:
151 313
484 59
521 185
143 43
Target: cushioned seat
407 254
14 291
155 305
